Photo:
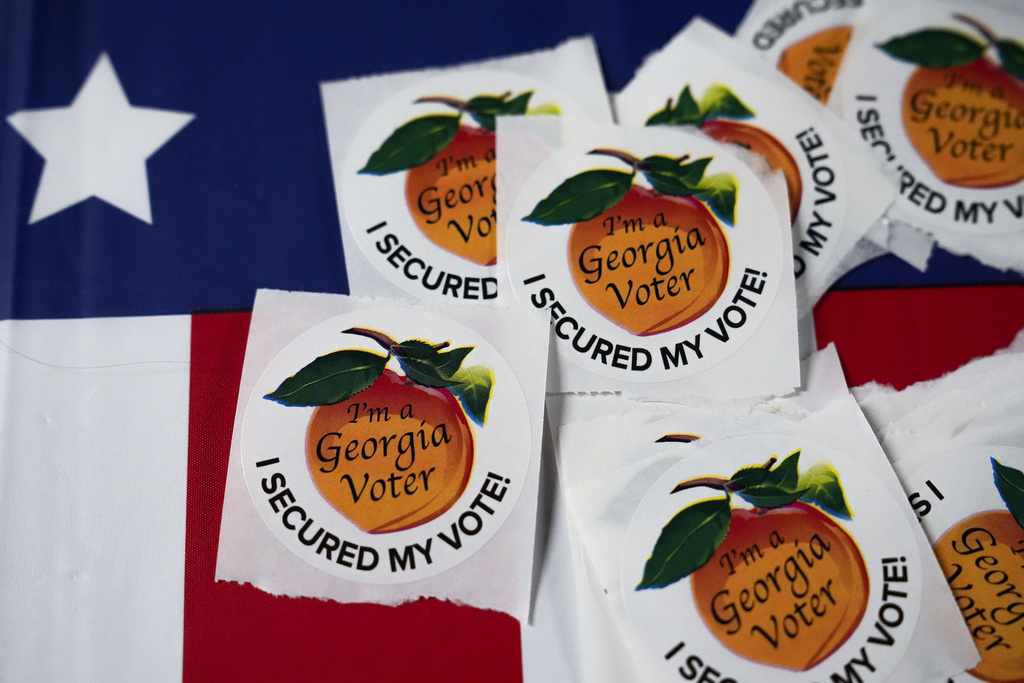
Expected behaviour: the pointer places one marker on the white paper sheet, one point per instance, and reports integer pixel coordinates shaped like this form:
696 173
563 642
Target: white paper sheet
604 507
743 373
360 114
840 190
93 454
496 576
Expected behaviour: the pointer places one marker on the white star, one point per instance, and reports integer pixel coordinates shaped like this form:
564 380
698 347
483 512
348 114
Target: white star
97 146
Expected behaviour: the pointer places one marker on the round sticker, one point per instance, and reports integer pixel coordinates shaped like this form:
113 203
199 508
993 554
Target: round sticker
418 184
799 564
807 46
387 445
949 115
657 258
971 504
734 106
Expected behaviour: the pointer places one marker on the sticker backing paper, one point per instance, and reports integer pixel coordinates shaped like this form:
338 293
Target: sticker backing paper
414 163
662 262
383 452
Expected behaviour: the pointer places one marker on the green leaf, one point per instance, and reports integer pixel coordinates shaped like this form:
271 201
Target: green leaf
424 371
659 163
786 474
417 348
484 108
473 389
687 542
582 197
426 358
686 112
331 378
1010 483
719 193
669 176
412 144
450 361
934 48
769 495
662 117
822 488
1011 56
517 105
720 103
667 184
546 109
748 476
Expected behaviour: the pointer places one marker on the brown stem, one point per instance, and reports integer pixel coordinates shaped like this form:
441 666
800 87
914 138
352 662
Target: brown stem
678 438
714 482
981 28
710 482
379 337
637 164
454 102
618 154
386 341
443 99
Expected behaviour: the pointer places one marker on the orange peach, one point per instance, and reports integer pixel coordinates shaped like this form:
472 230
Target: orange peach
765 144
394 456
813 63
786 587
452 196
652 262
967 123
983 558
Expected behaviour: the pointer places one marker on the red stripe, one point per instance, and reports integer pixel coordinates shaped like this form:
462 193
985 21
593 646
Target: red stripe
902 336
236 632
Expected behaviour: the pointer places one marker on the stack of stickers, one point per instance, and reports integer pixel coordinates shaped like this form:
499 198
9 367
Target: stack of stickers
936 91
643 270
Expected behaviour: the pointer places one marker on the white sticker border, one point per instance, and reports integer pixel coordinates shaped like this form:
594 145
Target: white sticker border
776 23
873 106
273 442
541 278
874 512
792 122
376 215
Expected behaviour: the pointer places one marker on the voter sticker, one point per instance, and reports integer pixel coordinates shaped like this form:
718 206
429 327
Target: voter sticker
658 256
971 505
386 445
769 556
948 117
418 181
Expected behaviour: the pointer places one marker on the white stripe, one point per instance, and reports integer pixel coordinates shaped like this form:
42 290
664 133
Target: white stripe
93 454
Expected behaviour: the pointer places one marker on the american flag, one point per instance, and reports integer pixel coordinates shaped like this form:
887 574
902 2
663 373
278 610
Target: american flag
159 162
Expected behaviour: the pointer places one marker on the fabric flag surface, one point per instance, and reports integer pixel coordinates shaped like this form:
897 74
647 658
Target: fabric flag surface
155 160
164 158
